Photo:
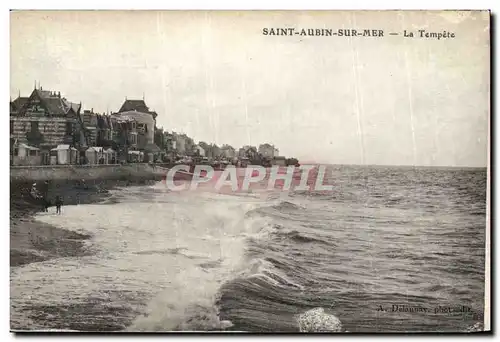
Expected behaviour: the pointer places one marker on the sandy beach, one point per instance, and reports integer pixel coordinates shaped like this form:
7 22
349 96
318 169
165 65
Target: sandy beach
35 241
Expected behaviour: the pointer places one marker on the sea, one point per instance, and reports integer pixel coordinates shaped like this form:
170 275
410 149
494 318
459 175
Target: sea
389 249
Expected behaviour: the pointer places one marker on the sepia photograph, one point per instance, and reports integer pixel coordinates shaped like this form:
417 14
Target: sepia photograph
250 171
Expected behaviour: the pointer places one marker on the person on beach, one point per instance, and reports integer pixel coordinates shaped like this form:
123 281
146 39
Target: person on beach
58 204
45 195
34 191
46 205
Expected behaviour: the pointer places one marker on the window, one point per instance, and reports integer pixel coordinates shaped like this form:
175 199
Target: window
37 109
33 152
11 126
16 151
34 126
69 128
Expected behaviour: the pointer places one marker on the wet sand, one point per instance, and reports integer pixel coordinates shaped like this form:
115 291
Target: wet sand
33 241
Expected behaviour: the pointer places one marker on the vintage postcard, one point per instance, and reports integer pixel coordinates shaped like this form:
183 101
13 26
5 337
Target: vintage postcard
249 171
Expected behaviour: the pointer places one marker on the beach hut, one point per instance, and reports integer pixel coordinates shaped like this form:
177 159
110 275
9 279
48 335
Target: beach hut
112 156
98 155
26 155
102 158
65 154
91 155
153 152
135 156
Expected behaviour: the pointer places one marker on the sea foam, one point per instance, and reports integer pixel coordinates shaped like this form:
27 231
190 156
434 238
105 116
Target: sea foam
317 320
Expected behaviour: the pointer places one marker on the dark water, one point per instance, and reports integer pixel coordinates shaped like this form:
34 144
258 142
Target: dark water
388 250
384 237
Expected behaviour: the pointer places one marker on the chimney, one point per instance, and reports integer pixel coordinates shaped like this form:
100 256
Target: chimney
59 94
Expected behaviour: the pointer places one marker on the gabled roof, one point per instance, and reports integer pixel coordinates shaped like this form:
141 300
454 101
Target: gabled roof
54 104
89 118
71 105
17 104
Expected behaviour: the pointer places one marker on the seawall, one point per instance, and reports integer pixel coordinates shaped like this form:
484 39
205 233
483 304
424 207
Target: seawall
87 172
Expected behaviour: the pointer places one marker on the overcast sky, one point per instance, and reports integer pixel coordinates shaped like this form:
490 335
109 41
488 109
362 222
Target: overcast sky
216 77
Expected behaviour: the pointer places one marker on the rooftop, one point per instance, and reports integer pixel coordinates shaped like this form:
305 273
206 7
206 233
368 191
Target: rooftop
52 101
17 104
136 105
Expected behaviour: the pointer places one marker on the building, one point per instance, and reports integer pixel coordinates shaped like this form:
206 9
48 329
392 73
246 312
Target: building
241 153
114 128
135 132
159 138
145 118
125 136
89 120
104 130
199 151
213 151
179 143
189 143
169 145
184 145
142 132
267 150
228 151
46 120
168 141
98 128
247 151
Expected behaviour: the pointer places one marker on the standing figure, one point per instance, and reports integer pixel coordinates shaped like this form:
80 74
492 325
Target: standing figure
44 195
58 204
46 204
34 192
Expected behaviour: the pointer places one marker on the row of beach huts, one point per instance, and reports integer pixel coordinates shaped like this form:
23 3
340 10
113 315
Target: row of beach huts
25 155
